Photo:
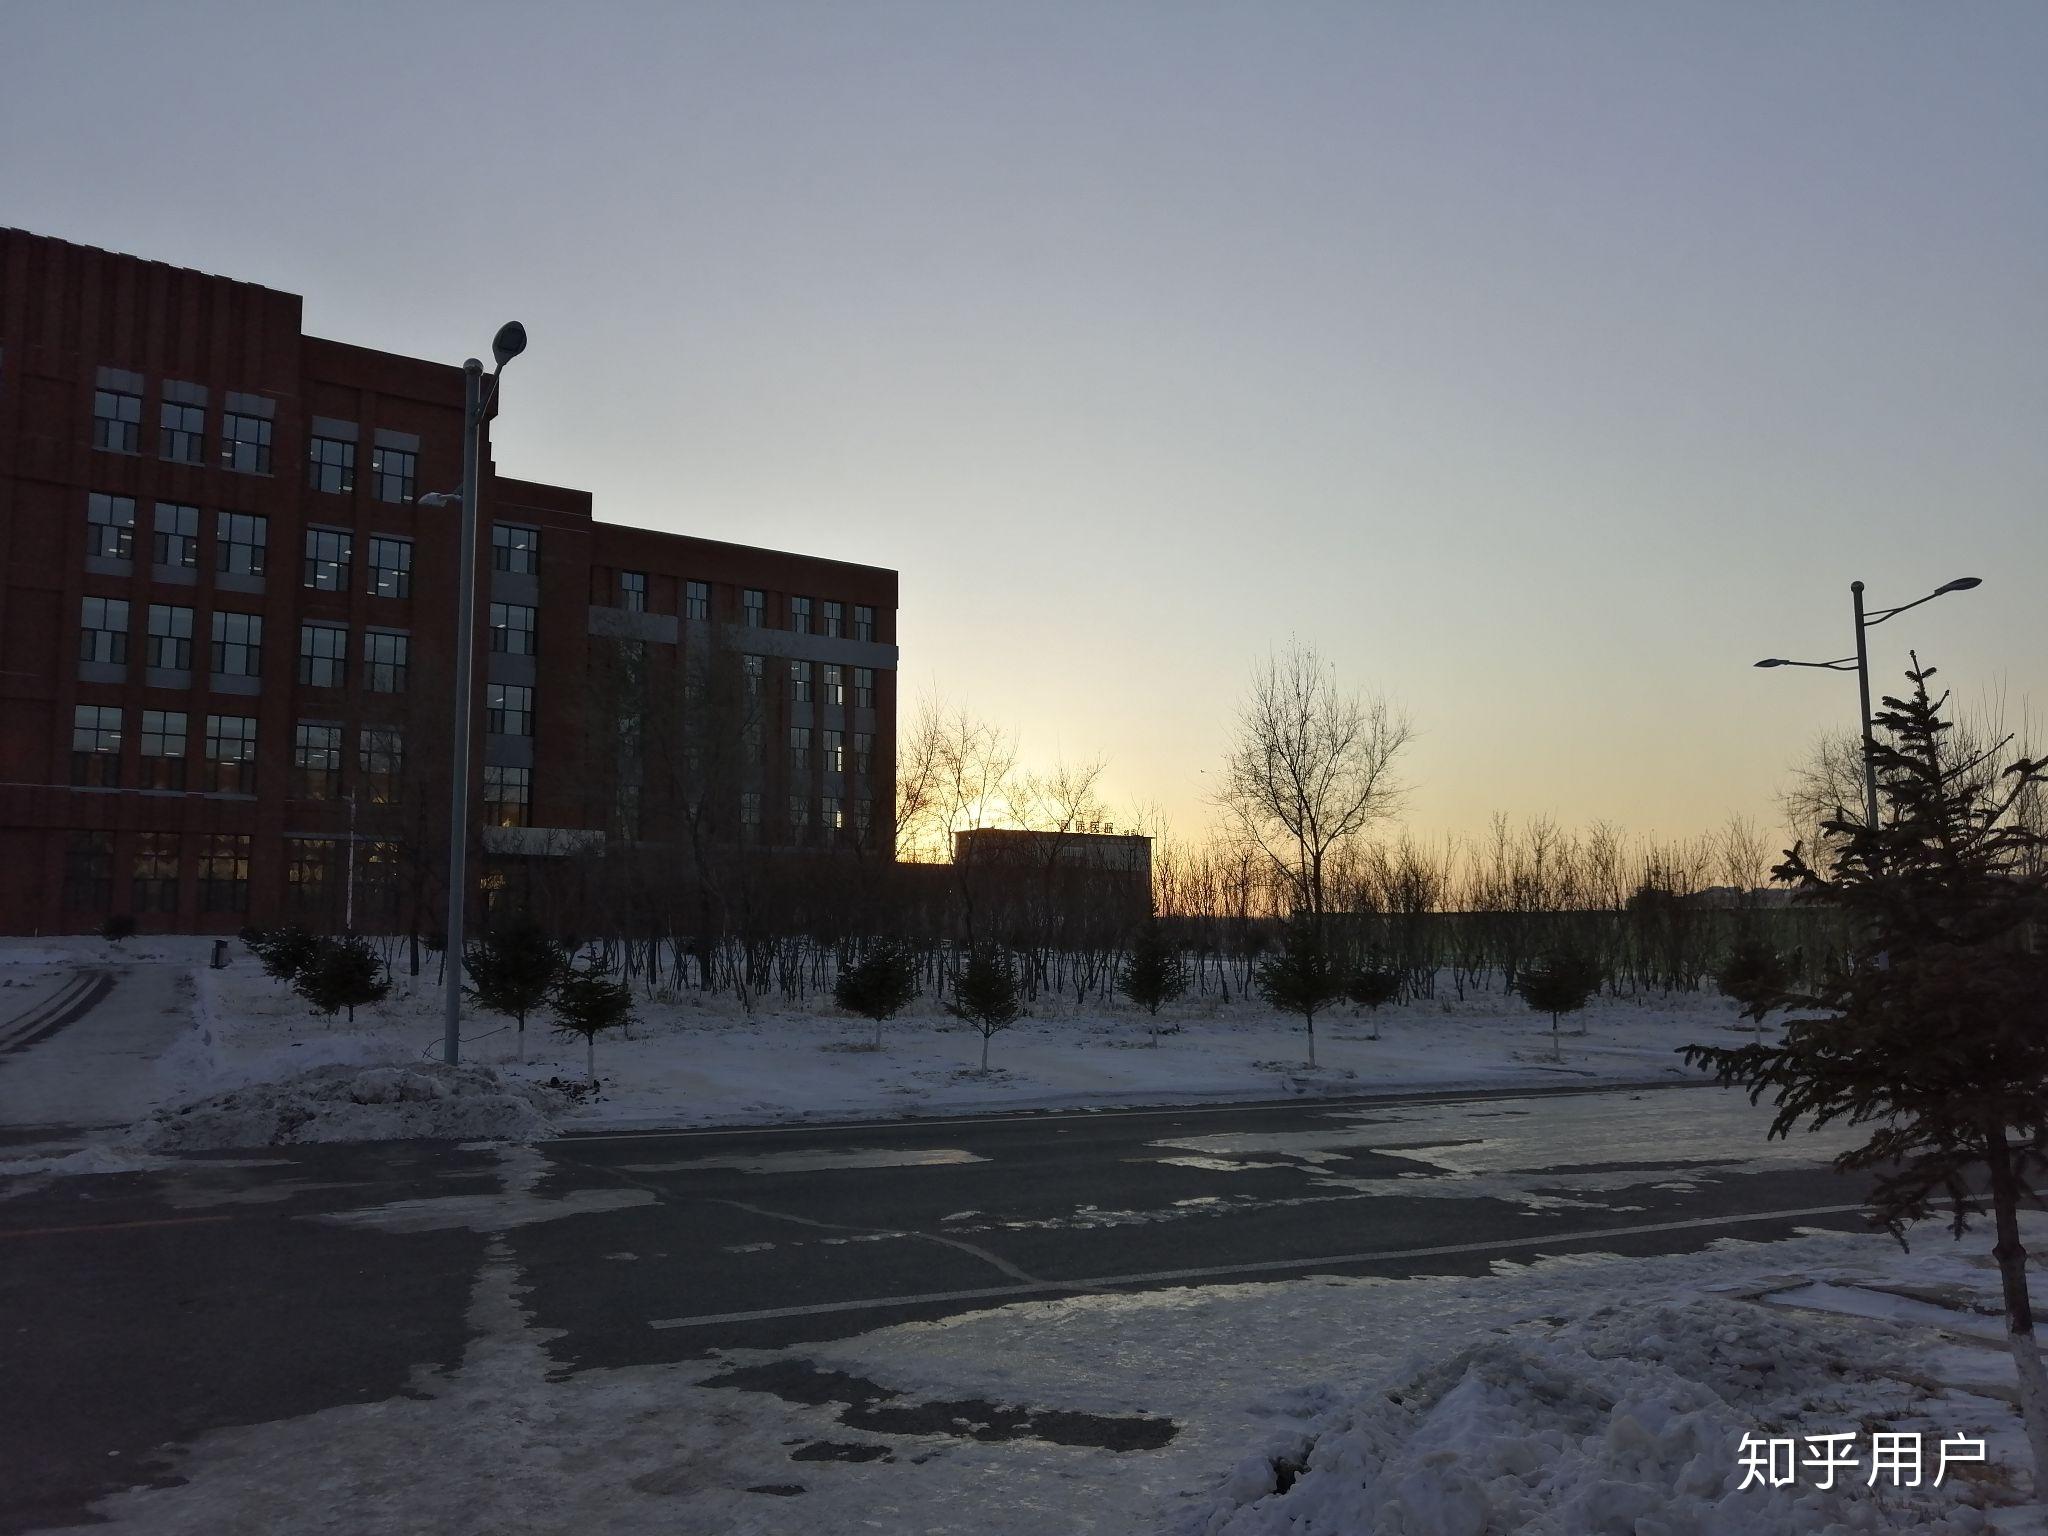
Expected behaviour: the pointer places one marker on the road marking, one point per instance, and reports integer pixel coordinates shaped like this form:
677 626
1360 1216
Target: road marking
994 1260
111 1226
1264 1266
1477 1094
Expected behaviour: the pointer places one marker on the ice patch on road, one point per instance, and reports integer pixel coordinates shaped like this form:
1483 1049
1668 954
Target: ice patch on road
819 1160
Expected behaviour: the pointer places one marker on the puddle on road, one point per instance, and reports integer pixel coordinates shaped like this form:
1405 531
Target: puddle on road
820 1160
867 1405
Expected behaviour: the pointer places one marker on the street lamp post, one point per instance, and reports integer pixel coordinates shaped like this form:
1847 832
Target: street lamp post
1861 663
476 405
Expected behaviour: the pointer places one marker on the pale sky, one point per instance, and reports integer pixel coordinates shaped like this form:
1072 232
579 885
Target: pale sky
1543 365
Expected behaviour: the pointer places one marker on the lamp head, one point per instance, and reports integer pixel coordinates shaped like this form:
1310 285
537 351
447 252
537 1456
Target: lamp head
1960 584
508 343
1771 661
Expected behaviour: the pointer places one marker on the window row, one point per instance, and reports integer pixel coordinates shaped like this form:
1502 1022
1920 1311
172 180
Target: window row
237 645
827 618
834 755
246 430
330 557
154 872
824 683
229 763
318 752
827 819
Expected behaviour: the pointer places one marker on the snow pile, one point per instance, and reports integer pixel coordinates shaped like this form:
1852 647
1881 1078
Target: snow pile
96 1158
1627 1423
342 1102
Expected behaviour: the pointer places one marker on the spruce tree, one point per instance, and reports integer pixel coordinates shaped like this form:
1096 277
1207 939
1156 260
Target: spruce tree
985 993
512 968
1156 972
1302 976
341 973
1372 986
1934 1031
1754 974
1558 984
587 1003
117 927
283 951
879 985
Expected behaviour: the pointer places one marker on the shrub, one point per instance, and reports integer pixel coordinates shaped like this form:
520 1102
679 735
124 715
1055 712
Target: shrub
341 973
117 927
879 985
285 951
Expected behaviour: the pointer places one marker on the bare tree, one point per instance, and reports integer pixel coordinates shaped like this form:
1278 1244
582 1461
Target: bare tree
1312 767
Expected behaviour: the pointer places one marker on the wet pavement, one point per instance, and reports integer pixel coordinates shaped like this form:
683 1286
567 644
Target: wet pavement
140 1310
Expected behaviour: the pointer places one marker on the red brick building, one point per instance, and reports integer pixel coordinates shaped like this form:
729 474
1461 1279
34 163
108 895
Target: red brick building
226 631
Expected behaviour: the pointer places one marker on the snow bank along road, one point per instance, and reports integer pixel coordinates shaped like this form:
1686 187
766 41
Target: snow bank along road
140 1311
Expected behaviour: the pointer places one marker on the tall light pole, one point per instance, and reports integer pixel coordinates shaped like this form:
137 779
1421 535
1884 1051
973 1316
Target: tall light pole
477 400
1861 662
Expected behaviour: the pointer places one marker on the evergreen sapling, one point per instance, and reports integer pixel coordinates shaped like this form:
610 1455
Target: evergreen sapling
1302 976
588 1003
342 973
985 993
1558 984
1156 973
512 969
1371 987
1933 1031
879 985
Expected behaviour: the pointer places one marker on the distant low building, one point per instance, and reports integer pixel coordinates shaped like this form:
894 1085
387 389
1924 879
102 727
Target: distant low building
1097 870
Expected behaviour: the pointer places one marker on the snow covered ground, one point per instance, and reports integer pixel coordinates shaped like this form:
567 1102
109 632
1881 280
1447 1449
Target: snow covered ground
1591 1395
694 1060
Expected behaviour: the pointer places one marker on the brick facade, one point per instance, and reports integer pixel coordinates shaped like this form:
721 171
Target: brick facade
152 421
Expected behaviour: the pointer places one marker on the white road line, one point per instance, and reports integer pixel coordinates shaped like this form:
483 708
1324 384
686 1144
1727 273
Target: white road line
1390 1100
1260 1267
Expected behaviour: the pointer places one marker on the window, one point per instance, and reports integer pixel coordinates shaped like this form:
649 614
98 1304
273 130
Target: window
170 638
116 421
832 817
231 754
696 599
508 709
331 465
835 620
237 644
799 751
103 630
863 751
800 818
381 756
245 446
177 535
316 761
508 796
163 749
390 566
89 872
110 526
835 683
392 472
96 745
515 549
181 434
312 866
512 629
835 751
863 622
328 552
863 687
753 607
323 655
800 682
239 540
156 872
224 872
385 657
754 668
863 819
750 814
633 591
800 615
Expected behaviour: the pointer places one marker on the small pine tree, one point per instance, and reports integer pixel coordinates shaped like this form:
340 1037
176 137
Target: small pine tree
1558 984
512 968
1754 975
985 993
1372 986
1302 976
118 926
341 973
879 985
1932 1031
285 951
1156 972
587 1003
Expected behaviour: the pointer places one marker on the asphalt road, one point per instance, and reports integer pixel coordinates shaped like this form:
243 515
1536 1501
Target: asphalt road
140 1310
